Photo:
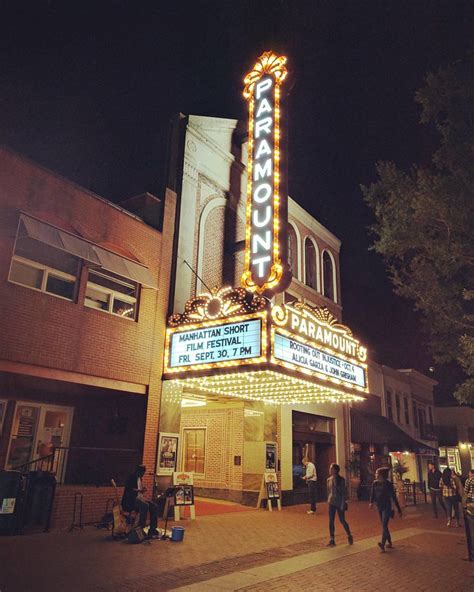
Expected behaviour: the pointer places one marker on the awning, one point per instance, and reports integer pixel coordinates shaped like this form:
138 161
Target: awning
367 428
86 250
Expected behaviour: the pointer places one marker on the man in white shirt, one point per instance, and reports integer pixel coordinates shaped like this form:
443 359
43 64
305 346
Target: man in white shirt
311 479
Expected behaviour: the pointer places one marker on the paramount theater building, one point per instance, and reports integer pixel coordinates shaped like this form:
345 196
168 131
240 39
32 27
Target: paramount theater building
259 370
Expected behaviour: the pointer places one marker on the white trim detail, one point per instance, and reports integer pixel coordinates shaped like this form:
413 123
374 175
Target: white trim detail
318 264
298 249
334 274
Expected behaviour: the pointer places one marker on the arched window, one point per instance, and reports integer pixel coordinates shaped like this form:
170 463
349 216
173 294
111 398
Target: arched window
293 250
310 264
328 276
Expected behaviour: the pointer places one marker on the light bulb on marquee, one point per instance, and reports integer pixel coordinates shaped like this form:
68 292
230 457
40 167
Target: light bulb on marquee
265 268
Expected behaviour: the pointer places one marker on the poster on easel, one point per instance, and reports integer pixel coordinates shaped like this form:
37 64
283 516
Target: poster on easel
270 489
184 493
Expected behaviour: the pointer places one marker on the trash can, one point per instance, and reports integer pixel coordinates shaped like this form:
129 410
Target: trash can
11 501
39 499
177 534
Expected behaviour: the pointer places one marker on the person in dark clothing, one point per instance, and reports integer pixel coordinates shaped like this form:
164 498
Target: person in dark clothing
382 493
434 477
337 503
133 500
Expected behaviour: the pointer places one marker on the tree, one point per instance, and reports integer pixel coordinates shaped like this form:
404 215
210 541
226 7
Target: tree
424 226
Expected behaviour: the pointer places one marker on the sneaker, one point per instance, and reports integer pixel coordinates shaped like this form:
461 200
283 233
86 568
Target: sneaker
350 539
458 524
382 548
310 512
449 523
332 543
389 546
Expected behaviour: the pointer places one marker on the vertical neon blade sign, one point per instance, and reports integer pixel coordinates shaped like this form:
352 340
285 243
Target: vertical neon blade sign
265 264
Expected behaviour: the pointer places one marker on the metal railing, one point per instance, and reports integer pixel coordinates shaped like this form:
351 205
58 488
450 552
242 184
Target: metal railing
85 465
414 492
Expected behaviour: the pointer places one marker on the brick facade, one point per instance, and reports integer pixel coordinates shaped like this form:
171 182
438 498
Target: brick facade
57 351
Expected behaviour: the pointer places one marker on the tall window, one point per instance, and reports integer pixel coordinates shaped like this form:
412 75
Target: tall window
293 250
389 405
310 265
397 403
47 269
328 275
430 414
415 414
406 409
111 293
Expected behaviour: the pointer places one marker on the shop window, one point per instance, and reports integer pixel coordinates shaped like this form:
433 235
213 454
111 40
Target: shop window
194 450
328 276
389 405
415 414
38 266
293 250
399 413
406 410
111 293
310 264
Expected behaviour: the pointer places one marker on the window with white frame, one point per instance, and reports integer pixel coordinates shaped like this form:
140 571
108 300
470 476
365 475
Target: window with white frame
38 266
397 404
388 400
111 293
293 250
406 410
328 277
310 264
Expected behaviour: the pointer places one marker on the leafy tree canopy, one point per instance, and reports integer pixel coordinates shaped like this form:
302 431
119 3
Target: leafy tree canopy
425 221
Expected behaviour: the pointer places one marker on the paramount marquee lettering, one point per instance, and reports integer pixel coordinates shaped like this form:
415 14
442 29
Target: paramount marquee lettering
264 266
321 327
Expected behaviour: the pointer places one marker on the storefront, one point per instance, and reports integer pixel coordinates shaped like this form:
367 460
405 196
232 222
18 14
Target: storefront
249 386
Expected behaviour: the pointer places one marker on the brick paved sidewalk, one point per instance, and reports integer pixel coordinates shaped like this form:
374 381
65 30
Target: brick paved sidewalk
213 546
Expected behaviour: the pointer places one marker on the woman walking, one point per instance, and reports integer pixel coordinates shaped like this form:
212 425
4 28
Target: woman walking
382 493
450 488
337 502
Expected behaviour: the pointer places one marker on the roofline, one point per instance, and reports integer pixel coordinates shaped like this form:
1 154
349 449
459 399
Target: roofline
35 164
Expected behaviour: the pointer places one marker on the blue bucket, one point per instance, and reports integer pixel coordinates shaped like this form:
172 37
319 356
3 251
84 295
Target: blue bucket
177 534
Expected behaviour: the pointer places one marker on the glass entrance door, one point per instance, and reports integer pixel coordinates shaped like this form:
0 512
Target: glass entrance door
38 430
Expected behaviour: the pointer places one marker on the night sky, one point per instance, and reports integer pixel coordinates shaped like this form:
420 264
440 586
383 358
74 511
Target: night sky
87 89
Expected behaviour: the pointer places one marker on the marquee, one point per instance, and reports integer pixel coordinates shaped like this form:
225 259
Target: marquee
236 344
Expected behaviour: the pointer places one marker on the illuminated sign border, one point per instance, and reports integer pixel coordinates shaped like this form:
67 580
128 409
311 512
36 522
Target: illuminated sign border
272 65
218 364
314 373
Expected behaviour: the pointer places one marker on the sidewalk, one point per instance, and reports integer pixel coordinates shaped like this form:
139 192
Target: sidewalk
254 550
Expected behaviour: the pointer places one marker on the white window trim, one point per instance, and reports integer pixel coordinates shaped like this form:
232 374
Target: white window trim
318 265
297 273
109 292
47 271
334 275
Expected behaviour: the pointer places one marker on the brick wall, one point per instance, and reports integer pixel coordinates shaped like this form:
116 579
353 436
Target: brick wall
43 331
94 504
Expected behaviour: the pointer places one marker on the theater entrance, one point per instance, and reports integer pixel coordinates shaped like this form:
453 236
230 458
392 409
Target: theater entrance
314 437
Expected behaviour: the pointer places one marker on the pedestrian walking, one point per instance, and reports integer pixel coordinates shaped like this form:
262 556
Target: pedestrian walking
337 503
469 488
434 477
311 479
383 493
452 493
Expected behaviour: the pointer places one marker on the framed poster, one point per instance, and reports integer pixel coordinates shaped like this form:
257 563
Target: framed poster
184 495
270 456
167 453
